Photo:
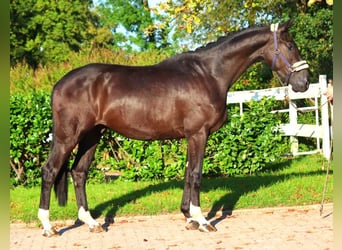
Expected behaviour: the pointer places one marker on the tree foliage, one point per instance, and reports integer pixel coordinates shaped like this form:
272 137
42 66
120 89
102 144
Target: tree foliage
132 24
205 20
314 36
46 30
201 21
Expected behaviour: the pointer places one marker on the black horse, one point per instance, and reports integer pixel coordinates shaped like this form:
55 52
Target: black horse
181 97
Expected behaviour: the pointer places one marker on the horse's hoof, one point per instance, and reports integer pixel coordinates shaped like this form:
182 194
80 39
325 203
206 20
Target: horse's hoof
50 232
192 225
207 228
96 229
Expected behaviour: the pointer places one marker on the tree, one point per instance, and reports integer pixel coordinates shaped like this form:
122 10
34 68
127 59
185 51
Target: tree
201 21
314 32
205 20
44 31
132 24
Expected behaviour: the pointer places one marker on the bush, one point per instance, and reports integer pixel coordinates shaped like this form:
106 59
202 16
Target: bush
142 160
246 143
30 126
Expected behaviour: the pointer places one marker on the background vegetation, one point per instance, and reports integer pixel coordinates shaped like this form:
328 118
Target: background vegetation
50 38
43 32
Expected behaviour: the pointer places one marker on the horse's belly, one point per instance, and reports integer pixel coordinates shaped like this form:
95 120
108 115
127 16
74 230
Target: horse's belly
143 125
156 118
148 132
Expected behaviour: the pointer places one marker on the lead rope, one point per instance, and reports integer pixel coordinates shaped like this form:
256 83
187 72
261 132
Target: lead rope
326 180
287 98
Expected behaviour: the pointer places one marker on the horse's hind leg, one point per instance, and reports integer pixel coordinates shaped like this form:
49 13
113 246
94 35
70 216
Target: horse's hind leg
57 159
79 172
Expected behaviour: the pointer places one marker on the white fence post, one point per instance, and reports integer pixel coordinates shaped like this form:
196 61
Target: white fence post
293 123
325 117
320 130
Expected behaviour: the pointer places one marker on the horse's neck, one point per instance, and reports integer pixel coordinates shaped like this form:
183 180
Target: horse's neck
233 58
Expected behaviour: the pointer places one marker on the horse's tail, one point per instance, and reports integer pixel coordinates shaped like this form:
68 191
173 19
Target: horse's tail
61 186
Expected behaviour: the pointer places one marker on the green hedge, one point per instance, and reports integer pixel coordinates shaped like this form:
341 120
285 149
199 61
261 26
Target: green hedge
244 145
30 125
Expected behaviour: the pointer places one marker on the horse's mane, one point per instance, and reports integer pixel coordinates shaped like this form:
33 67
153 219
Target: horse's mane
232 36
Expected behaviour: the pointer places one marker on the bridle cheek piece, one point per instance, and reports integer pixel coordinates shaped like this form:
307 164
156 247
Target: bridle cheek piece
297 66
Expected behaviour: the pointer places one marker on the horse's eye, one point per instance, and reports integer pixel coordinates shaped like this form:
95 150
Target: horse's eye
289 46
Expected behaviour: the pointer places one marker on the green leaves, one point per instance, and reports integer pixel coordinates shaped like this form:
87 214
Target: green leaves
245 144
30 126
47 30
314 36
132 24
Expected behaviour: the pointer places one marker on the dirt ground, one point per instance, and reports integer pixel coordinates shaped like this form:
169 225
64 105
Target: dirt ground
268 228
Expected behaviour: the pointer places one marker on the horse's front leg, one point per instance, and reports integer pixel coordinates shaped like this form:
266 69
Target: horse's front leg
191 193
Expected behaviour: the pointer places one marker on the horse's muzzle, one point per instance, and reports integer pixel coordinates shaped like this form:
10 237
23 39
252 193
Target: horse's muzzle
301 86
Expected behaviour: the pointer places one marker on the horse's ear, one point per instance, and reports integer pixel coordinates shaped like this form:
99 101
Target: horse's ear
285 26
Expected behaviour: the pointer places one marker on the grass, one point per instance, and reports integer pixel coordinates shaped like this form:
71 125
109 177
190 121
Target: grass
296 182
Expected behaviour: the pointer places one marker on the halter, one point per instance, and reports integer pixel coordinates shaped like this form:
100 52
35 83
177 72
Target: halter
297 66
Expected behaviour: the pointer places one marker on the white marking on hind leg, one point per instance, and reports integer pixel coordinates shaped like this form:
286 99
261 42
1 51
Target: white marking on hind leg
85 217
43 216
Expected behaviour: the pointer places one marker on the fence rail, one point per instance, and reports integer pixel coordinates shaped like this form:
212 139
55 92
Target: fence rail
321 130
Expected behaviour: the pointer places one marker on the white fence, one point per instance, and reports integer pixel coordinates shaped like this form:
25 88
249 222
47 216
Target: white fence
321 130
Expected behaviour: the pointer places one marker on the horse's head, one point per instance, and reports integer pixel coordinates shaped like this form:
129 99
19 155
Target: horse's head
284 58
